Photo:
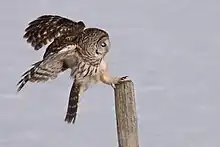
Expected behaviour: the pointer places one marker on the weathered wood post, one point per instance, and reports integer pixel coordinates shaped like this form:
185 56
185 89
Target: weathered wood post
125 109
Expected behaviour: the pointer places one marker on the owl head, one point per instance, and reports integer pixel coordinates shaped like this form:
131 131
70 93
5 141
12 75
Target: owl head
94 43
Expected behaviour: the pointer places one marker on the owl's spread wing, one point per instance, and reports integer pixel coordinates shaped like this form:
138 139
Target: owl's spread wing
58 44
48 27
49 67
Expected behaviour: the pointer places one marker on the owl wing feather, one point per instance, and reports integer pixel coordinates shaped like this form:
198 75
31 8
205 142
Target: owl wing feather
48 27
48 68
58 44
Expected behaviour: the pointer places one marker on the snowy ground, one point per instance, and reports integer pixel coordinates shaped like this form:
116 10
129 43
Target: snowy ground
170 49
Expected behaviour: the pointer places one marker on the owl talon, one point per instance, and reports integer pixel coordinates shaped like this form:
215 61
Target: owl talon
118 81
123 78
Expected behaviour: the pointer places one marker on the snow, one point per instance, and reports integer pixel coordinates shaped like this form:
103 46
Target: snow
170 49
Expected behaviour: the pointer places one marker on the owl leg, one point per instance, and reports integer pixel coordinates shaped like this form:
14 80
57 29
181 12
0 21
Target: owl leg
111 80
75 93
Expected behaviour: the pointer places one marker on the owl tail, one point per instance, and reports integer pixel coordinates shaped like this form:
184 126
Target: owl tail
73 103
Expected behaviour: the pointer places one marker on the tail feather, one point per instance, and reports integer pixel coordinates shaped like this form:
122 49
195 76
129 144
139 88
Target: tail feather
73 103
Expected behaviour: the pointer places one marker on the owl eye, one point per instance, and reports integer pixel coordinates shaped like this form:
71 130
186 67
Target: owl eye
103 44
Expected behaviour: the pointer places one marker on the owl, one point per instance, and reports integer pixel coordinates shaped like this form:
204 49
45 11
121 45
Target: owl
69 45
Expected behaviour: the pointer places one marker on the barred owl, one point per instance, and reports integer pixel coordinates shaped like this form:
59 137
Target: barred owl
70 46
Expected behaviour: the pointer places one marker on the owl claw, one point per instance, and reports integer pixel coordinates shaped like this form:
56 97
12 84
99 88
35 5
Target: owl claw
118 81
123 78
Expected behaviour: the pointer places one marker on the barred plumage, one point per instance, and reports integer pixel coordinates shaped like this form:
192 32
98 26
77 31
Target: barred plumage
48 27
59 43
48 68
72 47
73 103
83 70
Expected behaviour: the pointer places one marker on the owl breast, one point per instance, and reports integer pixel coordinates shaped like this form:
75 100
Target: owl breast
83 70
87 73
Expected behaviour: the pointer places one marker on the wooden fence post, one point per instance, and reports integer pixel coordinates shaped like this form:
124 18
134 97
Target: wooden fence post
126 118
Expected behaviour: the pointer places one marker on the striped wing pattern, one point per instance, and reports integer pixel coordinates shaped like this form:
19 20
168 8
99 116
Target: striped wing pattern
48 68
45 28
